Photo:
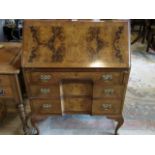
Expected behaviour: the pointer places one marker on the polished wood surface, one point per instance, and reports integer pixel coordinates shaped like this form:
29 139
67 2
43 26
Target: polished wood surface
3 111
9 57
76 88
106 106
81 105
112 92
5 80
76 67
49 77
46 106
44 91
80 44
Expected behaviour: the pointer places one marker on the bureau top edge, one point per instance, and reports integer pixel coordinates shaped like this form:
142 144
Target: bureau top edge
76 20
75 69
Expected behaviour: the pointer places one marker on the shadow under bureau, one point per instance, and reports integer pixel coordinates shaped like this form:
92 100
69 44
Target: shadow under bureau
76 67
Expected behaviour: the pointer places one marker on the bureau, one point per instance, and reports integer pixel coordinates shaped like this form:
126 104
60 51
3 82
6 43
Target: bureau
10 92
76 67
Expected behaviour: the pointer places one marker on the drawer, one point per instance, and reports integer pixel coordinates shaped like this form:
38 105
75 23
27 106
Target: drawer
51 91
101 91
102 106
6 92
77 105
3 111
52 77
11 105
79 88
4 80
41 77
46 106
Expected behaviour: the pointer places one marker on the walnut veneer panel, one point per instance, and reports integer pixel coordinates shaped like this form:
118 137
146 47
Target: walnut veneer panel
51 91
103 107
4 80
77 105
112 92
77 88
6 92
46 106
80 44
10 57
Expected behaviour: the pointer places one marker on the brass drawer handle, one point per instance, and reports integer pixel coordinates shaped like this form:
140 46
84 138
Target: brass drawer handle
106 106
44 90
109 91
46 106
45 78
2 93
107 77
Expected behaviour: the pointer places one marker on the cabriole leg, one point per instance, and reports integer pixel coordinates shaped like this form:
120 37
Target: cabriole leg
119 120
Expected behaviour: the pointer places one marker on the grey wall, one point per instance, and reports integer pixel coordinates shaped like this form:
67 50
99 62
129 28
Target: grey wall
1 29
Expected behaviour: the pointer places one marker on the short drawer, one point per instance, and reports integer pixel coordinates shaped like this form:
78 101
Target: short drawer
53 77
6 92
77 105
50 91
4 80
101 91
46 106
101 106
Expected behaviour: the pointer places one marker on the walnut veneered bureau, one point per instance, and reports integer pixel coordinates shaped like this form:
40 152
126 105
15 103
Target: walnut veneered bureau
10 92
76 67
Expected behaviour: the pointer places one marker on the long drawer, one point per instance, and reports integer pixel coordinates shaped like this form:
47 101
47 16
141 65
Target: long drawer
6 92
4 80
102 106
54 77
46 106
3 110
11 105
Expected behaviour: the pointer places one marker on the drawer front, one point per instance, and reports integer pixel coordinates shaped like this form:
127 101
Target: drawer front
77 89
46 106
76 105
41 77
4 80
5 92
3 111
11 105
101 91
52 77
51 91
101 106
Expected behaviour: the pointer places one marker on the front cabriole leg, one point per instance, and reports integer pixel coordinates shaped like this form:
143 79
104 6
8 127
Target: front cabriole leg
119 120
